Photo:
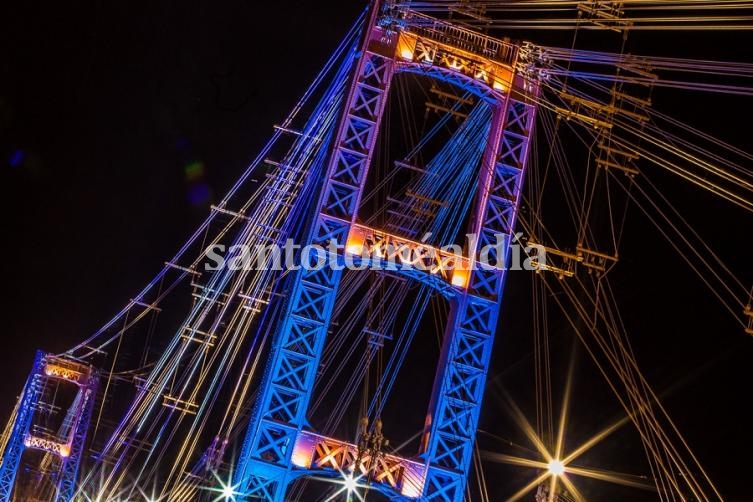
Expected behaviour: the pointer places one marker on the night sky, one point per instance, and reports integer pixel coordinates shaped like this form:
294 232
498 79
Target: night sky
109 110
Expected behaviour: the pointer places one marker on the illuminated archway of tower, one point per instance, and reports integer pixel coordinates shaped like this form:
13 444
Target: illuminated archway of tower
280 446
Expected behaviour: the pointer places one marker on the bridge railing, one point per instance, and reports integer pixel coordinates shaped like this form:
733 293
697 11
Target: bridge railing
441 31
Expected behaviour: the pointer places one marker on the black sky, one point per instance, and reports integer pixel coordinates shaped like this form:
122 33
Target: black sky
103 105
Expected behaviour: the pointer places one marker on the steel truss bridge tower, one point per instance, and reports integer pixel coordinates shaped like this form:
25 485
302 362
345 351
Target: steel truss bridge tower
210 383
64 447
279 446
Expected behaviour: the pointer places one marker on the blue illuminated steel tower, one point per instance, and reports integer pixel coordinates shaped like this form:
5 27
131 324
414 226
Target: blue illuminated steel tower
67 444
279 445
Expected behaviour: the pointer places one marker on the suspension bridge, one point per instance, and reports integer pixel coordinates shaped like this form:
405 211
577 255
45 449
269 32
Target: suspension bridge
429 141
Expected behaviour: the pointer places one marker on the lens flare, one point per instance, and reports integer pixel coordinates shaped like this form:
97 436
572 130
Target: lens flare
556 467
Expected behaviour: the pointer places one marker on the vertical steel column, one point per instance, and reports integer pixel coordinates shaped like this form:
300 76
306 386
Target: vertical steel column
66 485
263 468
459 386
15 447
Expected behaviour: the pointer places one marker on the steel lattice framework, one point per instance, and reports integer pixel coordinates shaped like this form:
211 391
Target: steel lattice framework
251 344
264 468
278 447
68 445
